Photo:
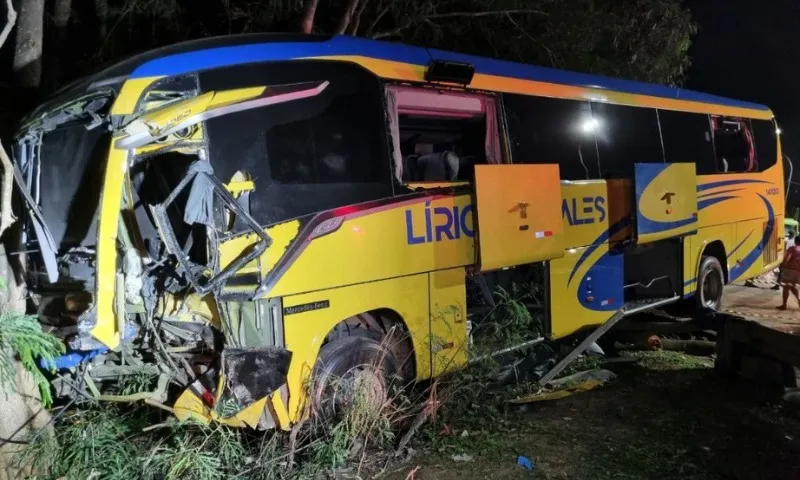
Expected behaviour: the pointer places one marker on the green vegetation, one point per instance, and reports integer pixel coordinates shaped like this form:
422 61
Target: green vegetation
668 360
21 337
666 416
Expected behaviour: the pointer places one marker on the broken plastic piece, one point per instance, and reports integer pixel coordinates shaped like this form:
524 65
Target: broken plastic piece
524 462
70 360
567 386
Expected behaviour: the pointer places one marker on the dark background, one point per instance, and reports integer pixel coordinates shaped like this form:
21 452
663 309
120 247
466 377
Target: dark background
748 50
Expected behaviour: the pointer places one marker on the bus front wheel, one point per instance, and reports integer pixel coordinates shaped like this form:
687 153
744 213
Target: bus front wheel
352 372
710 283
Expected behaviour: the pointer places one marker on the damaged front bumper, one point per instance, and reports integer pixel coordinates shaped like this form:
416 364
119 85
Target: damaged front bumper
251 391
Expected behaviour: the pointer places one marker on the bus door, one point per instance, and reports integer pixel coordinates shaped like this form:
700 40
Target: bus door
665 211
518 210
666 201
519 228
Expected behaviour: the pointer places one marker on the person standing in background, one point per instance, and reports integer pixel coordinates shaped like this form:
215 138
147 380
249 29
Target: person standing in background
790 273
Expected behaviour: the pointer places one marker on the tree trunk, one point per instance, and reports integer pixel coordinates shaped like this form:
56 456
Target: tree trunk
101 11
61 14
347 16
309 12
356 22
62 10
28 53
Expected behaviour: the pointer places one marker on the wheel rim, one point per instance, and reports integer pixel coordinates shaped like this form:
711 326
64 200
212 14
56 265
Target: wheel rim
712 289
363 384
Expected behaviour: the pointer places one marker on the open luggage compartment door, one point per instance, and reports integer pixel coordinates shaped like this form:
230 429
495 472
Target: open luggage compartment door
666 201
519 214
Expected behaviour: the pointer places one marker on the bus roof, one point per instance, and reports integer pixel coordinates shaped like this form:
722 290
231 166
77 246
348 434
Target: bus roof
234 50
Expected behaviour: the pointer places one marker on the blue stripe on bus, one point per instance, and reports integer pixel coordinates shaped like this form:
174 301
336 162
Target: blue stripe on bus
603 238
710 194
182 63
725 183
748 260
703 204
737 247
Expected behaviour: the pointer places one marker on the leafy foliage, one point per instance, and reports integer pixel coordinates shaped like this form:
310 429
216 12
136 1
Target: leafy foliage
637 39
110 443
22 336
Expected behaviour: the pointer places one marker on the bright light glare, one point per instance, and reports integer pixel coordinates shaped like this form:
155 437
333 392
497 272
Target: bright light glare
777 131
590 125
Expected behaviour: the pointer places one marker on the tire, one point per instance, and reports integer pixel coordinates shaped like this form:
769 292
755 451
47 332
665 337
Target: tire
710 284
346 362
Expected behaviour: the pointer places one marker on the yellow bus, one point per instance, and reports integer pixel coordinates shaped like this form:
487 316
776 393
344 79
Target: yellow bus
250 213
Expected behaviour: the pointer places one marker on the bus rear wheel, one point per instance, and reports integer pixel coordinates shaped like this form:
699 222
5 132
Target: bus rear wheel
352 371
710 283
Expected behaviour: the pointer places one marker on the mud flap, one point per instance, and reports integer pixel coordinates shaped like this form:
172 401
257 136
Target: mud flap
249 375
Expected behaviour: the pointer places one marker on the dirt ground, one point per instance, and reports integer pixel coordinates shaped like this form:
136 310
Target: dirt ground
666 416
669 416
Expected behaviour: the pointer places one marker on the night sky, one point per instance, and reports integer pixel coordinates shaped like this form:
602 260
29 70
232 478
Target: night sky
748 50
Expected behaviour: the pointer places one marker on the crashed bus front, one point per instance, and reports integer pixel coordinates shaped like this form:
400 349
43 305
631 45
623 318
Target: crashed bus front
170 216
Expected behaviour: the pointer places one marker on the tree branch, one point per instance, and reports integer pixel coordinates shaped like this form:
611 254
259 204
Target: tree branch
377 18
533 39
357 18
6 188
309 12
11 19
347 16
7 185
436 16
487 13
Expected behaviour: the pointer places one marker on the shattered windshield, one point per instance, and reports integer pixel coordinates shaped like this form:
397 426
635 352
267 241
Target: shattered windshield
64 171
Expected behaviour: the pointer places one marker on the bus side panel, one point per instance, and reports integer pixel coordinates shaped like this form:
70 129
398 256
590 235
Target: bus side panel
585 288
756 248
586 284
732 198
305 331
695 245
589 208
415 236
448 339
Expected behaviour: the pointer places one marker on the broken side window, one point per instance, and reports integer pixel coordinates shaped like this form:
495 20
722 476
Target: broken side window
308 155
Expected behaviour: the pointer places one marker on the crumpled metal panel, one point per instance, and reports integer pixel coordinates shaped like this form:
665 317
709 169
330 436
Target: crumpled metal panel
250 374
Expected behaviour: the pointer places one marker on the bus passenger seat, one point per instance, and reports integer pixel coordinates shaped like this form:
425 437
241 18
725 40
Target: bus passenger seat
438 167
411 168
451 163
431 168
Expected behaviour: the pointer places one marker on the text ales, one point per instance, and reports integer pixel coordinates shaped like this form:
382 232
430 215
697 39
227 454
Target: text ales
584 210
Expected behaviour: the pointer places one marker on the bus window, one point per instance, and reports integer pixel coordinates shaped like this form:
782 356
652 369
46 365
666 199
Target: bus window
687 138
626 135
733 145
307 155
326 146
548 130
439 136
766 136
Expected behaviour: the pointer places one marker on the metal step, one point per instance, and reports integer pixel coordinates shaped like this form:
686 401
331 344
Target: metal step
641 305
628 309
